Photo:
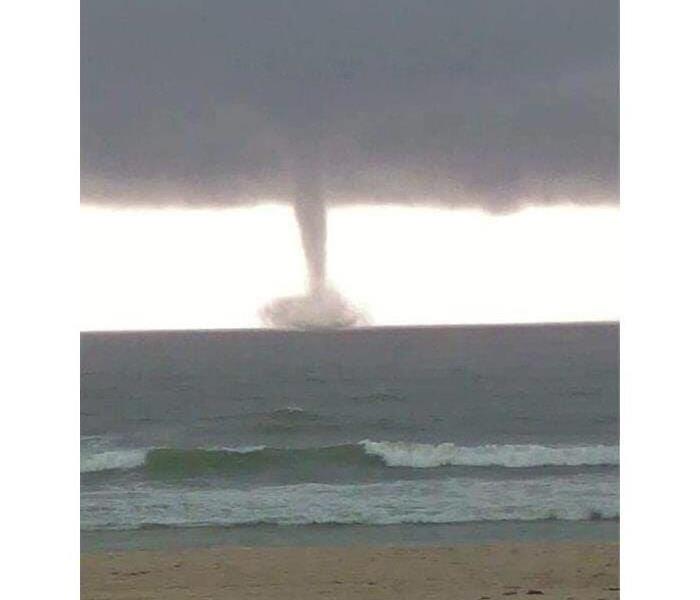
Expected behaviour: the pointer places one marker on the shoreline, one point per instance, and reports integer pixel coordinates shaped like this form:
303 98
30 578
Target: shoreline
563 570
322 535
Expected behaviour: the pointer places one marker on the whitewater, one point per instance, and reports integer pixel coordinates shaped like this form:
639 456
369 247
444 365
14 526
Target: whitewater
392 454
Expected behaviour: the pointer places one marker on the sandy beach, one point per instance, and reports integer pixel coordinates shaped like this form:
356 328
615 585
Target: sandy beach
575 571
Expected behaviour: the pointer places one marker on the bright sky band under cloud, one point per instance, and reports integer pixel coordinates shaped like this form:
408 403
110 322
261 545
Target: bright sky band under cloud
216 268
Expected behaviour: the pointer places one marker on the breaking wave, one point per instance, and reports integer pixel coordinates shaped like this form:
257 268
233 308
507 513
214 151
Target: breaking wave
191 462
411 454
113 459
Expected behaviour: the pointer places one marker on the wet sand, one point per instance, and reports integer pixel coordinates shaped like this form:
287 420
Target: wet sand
566 571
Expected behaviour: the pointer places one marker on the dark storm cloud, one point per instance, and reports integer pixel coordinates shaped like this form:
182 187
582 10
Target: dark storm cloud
490 103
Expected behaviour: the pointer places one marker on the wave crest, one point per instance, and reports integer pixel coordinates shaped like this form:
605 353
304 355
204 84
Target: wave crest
189 462
113 460
412 454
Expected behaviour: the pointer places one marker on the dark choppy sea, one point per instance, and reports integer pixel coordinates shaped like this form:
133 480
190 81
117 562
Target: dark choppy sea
378 435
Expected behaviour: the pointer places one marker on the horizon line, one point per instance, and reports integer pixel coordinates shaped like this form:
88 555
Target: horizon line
365 328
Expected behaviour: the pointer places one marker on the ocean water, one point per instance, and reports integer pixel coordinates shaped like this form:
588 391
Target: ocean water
378 435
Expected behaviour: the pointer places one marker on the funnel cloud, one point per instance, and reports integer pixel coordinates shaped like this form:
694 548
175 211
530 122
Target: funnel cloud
490 104
321 307
310 213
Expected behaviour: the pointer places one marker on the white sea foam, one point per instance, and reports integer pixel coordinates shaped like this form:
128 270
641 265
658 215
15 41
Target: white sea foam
113 459
410 454
458 500
239 449
131 458
402 454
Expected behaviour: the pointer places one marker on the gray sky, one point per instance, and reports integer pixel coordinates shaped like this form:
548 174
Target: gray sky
488 103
